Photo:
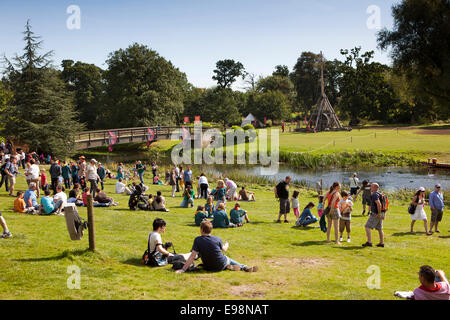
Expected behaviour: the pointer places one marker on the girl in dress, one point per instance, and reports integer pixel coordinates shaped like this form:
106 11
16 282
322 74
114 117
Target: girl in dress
419 214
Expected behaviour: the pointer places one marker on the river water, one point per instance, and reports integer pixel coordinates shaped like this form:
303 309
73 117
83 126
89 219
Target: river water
389 178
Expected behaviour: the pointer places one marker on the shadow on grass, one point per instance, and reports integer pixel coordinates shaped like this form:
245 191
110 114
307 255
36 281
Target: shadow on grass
350 248
401 234
309 243
444 237
63 255
304 228
135 262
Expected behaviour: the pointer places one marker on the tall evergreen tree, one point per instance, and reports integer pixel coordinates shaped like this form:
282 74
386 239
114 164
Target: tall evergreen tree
42 110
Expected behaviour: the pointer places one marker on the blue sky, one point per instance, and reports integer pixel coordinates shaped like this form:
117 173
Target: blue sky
194 34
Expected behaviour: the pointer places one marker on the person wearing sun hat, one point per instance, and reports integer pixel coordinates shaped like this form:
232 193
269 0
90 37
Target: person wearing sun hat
437 208
419 214
82 166
92 176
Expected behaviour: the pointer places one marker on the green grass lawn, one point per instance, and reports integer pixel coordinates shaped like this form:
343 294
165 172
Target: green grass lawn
294 263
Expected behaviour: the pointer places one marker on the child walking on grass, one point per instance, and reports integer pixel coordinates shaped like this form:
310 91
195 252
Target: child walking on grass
346 208
320 207
295 204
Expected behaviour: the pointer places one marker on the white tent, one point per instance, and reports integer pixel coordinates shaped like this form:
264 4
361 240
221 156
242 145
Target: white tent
250 119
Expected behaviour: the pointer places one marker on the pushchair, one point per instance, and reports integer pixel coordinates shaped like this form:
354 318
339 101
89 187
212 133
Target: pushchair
138 200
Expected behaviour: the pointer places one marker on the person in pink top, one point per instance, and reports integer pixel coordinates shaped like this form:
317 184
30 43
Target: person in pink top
434 285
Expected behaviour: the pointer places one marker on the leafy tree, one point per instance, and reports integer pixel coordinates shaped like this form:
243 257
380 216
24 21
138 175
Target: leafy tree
42 111
142 89
6 97
281 70
85 80
272 105
420 42
363 88
221 106
227 71
278 83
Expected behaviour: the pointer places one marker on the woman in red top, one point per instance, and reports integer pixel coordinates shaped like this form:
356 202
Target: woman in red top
333 197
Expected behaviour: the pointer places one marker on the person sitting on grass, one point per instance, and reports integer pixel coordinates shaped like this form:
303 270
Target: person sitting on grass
102 198
209 206
20 206
220 218
75 196
122 188
87 192
159 204
156 180
210 248
30 197
49 207
188 197
306 218
60 195
237 215
434 285
245 195
6 233
200 215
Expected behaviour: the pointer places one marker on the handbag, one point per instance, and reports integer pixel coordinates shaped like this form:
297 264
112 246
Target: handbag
326 211
155 258
412 208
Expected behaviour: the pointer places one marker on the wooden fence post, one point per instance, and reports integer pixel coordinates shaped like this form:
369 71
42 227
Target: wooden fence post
90 211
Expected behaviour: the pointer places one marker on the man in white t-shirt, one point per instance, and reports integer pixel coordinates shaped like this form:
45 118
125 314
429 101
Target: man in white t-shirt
60 196
34 175
122 188
354 184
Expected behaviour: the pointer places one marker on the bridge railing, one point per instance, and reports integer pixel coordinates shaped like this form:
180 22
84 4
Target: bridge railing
129 133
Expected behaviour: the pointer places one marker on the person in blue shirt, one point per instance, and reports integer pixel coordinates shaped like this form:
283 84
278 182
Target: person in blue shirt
237 215
211 250
306 217
187 176
30 197
48 206
437 208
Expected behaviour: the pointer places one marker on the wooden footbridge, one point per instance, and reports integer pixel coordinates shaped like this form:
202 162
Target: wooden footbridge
99 138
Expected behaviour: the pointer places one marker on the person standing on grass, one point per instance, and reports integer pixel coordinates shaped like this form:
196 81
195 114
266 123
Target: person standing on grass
282 193
101 174
346 208
140 169
366 196
173 181
203 182
231 189
92 176
35 173
154 168
12 172
333 197
220 193
419 213
6 233
210 248
354 185
55 173
187 176
74 173
437 208
5 176
376 217
66 173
